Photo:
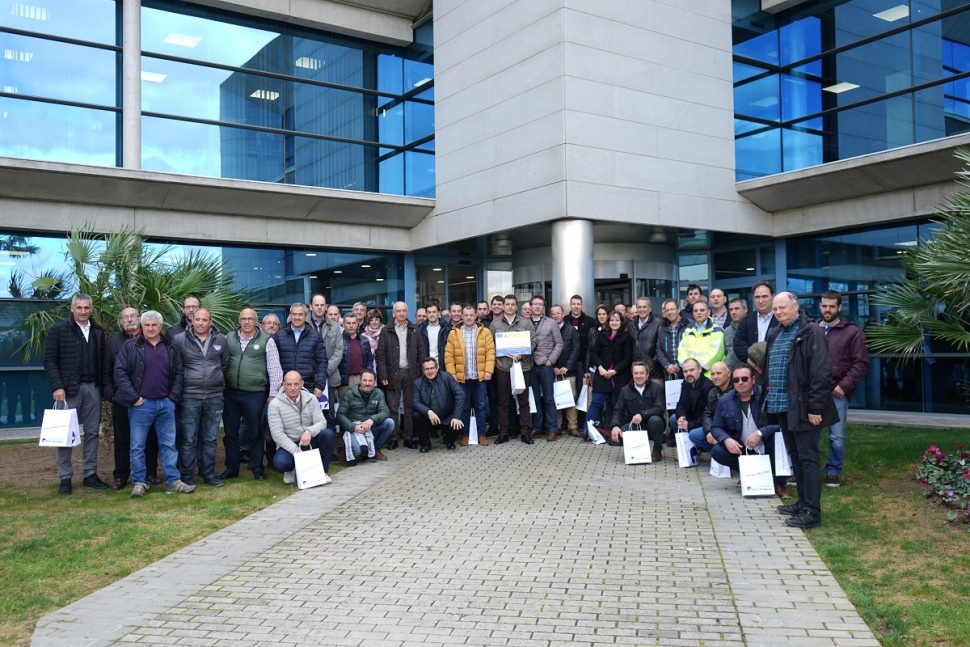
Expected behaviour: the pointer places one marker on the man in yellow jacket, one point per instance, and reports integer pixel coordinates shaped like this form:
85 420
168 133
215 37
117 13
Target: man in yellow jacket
702 340
470 357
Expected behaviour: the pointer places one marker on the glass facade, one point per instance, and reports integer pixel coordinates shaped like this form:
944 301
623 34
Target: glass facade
223 95
826 81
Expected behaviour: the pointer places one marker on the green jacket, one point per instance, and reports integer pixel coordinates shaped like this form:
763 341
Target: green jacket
247 370
352 408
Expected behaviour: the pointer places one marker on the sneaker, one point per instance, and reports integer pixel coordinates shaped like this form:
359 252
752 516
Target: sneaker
139 490
791 510
804 520
64 487
832 480
179 486
214 481
289 477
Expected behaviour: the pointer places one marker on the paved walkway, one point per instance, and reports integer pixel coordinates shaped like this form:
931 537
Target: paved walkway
514 545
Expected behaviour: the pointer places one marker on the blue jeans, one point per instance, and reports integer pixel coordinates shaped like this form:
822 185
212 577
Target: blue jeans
161 413
474 399
596 406
837 438
248 406
699 438
545 396
382 433
200 418
324 441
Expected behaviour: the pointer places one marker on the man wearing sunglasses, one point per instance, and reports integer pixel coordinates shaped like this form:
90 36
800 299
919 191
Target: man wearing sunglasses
740 424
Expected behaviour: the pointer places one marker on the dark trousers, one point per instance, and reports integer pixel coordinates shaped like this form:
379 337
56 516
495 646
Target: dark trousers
423 429
239 406
806 463
395 390
492 394
542 390
503 384
122 448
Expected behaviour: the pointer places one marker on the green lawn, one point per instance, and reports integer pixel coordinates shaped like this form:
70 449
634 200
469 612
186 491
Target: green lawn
904 567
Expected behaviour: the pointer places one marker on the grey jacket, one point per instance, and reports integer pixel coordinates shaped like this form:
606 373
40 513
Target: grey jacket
205 371
518 323
548 341
288 420
332 336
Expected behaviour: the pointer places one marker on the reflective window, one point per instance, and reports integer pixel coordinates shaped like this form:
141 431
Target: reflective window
47 68
90 20
57 133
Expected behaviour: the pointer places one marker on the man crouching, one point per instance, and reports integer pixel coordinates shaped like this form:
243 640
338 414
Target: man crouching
297 424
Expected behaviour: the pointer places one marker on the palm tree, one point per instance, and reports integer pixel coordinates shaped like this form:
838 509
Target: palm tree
934 299
119 269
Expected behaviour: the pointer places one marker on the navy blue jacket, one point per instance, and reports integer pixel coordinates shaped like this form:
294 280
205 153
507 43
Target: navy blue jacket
729 419
747 334
367 355
451 397
308 357
129 371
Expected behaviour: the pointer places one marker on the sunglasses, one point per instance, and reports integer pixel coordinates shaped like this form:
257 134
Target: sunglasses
743 378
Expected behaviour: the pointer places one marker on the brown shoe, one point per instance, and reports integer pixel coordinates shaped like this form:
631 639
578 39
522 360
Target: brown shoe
482 440
552 436
574 433
782 491
153 480
117 484
464 441
536 434
379 456
657 456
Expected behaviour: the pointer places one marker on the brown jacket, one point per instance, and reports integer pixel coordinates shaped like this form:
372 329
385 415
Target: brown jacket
389 353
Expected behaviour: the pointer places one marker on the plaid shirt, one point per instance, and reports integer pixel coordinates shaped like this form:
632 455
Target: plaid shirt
471 353
777 400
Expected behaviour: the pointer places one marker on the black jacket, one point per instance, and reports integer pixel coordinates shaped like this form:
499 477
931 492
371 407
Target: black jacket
569 357
308 356
630 403
586 324
129 371
747 334
615 354
809 383
693 400
389 352
451 397
645 344
112 348
65 343
712 397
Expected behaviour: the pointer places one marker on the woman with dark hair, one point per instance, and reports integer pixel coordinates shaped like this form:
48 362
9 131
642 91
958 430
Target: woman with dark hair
372 331
611 356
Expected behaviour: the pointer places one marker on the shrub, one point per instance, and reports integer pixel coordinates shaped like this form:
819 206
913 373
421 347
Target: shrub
947 480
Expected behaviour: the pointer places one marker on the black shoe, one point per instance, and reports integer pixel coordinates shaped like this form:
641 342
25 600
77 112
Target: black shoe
64 487
244 457
791 510
804 520
228 475
502 438
424 449
410 444
259 476
526 438
94 482
214 481
672 442
391 444
351 463
450 445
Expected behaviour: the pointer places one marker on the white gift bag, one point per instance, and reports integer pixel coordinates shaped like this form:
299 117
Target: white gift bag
594 434
532 402
782 458
672 390
60 428
472 428
518 378
564 394
755 472
309 469
582 402
719 471
686 451
637 447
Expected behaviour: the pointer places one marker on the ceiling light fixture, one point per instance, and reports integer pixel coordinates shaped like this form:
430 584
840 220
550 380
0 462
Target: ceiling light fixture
153 77
839 88
182 40
892 15
267 95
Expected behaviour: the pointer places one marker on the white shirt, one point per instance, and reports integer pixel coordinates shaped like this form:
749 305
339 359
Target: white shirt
763 323
433 331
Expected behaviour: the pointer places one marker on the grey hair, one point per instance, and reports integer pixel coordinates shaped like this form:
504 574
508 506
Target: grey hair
152 315
80 296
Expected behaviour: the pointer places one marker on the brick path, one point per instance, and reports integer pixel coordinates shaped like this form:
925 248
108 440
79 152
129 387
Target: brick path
514 545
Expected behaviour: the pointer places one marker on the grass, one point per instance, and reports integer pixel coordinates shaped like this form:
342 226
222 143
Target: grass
55 549
904 567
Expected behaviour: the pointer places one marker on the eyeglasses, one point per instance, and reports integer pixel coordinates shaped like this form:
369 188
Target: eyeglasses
743 378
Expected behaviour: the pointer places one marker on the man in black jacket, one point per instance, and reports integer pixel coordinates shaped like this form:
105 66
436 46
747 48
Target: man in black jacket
398 363
644 329
75 363
689 413
438 401
568 365
755 326
798 376
641 402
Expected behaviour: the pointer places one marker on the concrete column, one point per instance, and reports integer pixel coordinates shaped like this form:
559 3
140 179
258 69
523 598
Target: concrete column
131 84
572 262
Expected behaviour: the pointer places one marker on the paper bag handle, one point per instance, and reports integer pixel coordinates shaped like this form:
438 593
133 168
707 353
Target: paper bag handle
64 402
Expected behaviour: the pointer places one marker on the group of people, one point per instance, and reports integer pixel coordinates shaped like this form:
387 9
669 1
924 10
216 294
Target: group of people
746 376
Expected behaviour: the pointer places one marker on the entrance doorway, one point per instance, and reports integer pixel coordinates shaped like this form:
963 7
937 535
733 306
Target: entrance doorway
612 291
